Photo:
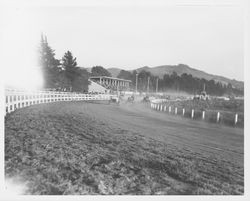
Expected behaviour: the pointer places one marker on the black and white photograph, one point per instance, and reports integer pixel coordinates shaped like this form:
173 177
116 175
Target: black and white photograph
124 98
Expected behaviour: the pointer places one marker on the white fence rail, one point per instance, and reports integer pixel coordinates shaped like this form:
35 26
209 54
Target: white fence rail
158 105
19 99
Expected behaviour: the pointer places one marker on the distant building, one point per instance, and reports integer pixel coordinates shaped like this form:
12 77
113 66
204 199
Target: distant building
104 84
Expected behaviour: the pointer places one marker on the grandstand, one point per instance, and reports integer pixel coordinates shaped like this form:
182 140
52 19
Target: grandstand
105 84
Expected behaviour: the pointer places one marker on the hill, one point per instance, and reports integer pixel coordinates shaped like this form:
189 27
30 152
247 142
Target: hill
114 71
180 69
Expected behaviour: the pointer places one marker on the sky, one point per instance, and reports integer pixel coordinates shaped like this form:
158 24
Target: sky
205 36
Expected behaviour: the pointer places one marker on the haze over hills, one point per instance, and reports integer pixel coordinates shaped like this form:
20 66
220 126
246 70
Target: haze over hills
180 69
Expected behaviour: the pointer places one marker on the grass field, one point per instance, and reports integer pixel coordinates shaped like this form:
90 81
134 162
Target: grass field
86 148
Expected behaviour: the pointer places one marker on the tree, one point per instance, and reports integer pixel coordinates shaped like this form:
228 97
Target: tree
143 80
69 65
229 89
62 81
193 85
81 82
50 66
100 71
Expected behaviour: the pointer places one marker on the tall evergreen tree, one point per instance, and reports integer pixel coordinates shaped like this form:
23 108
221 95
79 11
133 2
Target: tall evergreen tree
75 78
69 65
49 64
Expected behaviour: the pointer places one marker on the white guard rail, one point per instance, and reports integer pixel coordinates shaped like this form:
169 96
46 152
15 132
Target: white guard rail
18 99
157 104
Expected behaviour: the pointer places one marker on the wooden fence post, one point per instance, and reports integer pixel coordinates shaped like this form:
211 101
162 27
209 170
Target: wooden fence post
192 114
203 115
8 102
28 100
218 117
236 119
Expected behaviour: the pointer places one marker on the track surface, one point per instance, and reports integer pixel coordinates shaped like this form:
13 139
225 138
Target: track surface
198 135
125 149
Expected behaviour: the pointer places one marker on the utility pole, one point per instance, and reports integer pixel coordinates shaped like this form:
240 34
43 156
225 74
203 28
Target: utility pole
156 90
148 85
136 80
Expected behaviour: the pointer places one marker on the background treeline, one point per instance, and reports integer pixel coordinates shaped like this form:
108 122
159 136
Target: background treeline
64 74
183 83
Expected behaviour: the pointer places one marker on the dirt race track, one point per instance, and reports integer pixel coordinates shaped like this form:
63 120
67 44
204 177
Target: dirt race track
88 148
